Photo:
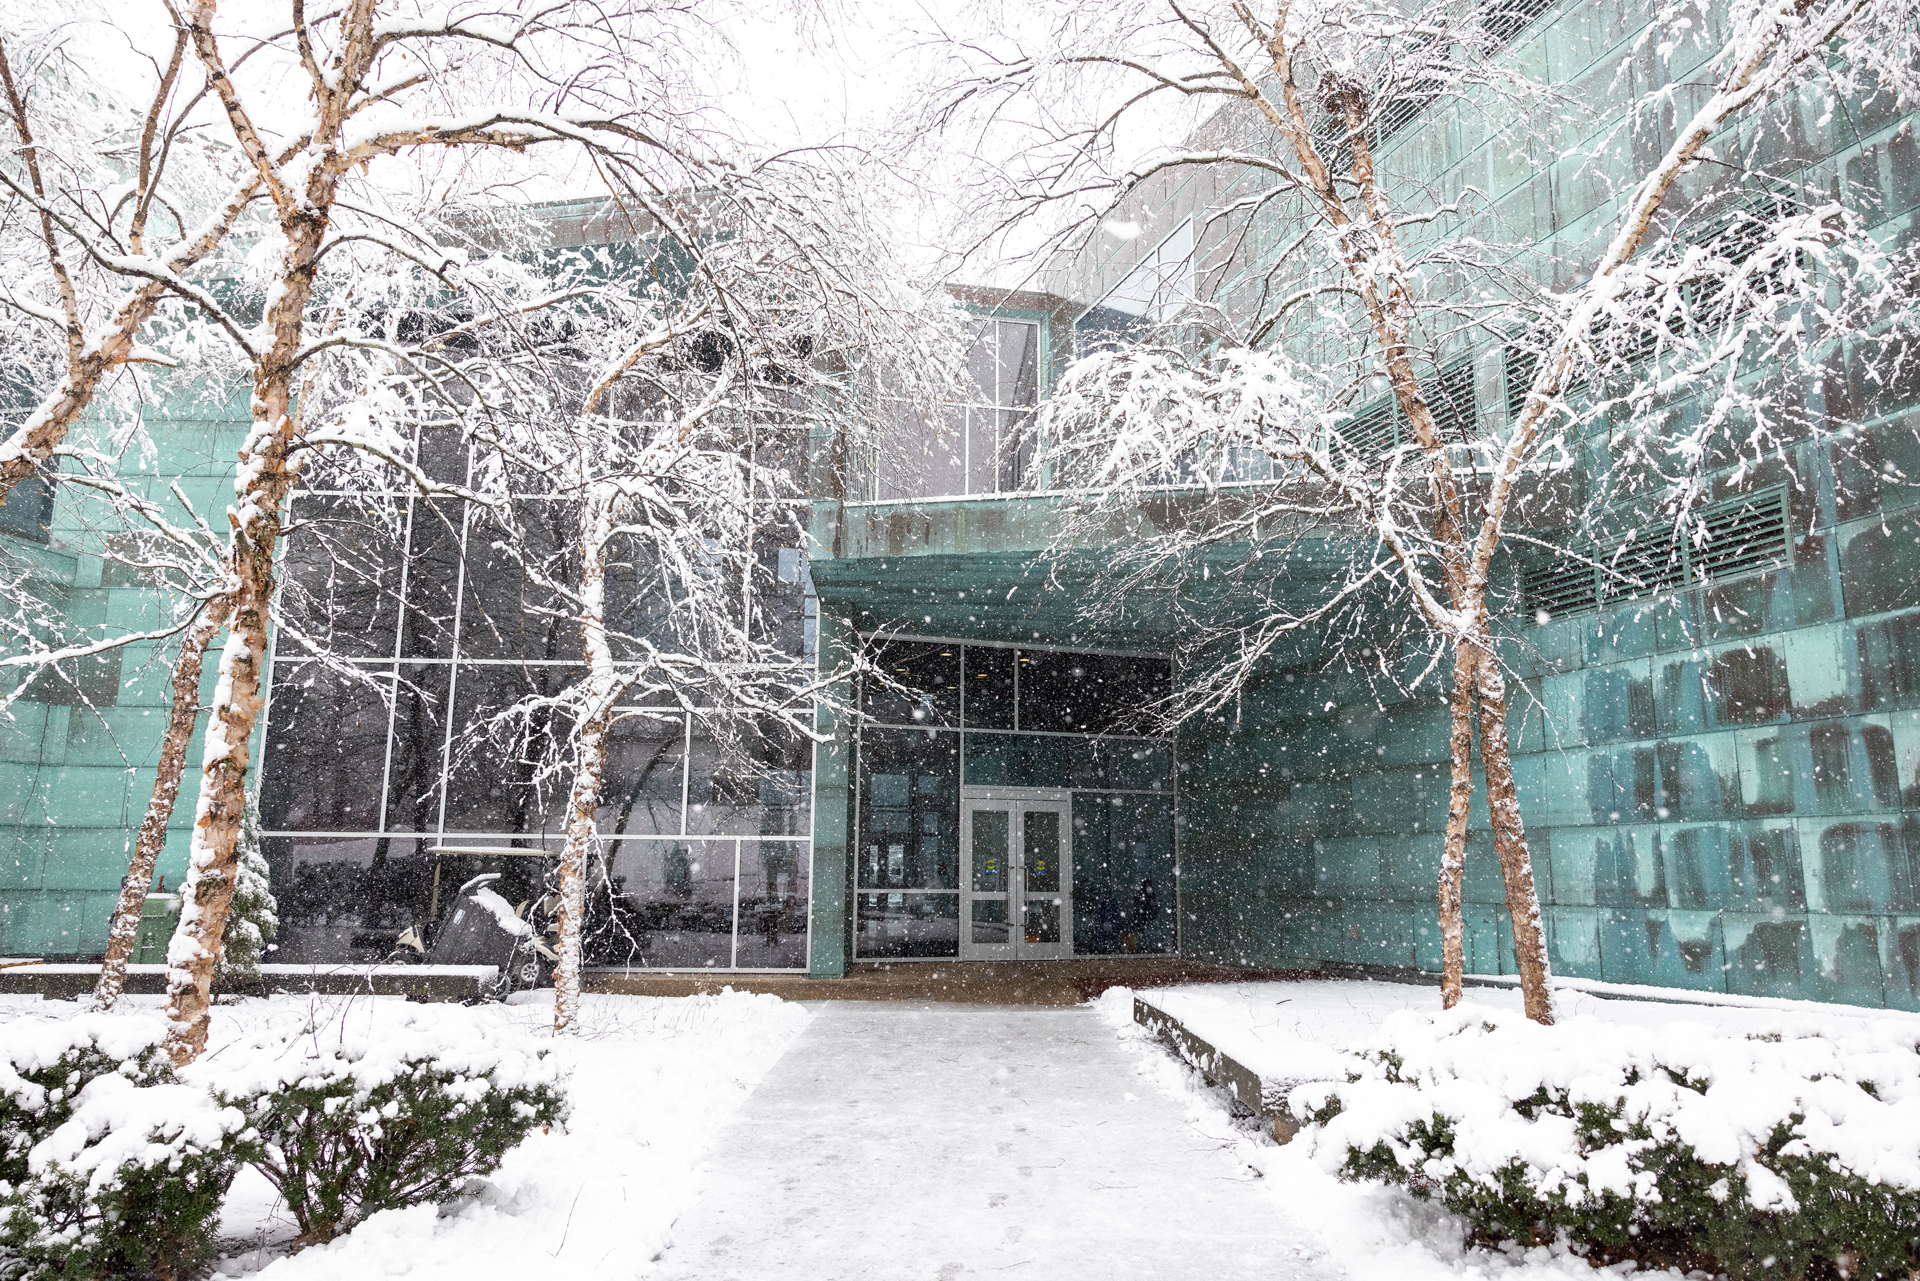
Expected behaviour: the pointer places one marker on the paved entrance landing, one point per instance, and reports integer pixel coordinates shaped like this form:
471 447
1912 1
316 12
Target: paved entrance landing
956 1141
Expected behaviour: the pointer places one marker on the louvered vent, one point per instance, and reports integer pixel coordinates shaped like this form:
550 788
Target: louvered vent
1558 587
1370 434
1506 19
1451 398
1521 366
1745 535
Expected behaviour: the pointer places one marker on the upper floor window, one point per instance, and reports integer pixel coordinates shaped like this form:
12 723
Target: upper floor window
984 445
1158 288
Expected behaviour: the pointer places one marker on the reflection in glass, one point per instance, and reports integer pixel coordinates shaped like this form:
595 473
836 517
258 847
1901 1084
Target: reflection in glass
909 810
774 878
901 925
495 784
1042 924
758 785
341 575
670 905
328 770
991 830
642 793
345 899
989 921
419 739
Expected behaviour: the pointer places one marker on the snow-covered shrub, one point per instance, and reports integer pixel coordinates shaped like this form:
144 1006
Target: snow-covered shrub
1776 1156
110 1167
387 1109
253 916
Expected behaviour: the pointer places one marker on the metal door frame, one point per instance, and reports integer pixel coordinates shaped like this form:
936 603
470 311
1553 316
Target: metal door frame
1019 801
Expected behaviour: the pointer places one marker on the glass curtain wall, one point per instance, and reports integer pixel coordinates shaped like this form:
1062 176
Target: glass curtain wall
381 792
949 715
983 445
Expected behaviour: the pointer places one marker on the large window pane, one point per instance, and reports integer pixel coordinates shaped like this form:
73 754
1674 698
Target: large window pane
920 454
419 740
930 671
341 576
900 925
773 904
495 782
346 901
1124 897
671 905
757 785
909 810
326 750
989 687
1089 693
505 610
433 575
642 792
1019 363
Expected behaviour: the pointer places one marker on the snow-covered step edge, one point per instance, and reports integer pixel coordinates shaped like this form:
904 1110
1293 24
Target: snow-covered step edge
1251 1093
427 982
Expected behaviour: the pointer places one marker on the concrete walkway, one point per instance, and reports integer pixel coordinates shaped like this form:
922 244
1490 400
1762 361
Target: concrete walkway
948 1142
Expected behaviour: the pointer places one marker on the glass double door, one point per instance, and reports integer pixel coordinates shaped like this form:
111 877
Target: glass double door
1017 886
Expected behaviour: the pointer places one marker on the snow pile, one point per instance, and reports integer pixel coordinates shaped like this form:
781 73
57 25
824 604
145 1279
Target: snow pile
1687 1146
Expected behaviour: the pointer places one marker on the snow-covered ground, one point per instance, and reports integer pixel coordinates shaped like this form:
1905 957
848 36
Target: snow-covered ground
951 1096
1288 1031
652 1080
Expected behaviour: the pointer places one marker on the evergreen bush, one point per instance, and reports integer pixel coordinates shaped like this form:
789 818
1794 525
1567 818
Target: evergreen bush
1783 1156
404 1111
108 1167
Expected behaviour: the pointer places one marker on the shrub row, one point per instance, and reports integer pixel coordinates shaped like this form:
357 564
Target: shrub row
114 1165
1781 1156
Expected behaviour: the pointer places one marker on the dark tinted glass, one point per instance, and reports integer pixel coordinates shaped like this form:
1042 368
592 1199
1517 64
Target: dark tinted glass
931 675
419 737
433 577
327 750
342 575
506 612
752 785
907 925
773 905
1089 693
1018 760
1123 876
494 782
909 810
346 900
989 687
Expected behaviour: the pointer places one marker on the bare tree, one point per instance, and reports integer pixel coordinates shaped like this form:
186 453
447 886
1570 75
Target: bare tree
387 81
675 442
102 280
1354 274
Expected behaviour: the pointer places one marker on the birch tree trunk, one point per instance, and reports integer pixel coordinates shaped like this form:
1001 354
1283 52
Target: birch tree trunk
590 756
1510 844
262 486
166 790
1453 857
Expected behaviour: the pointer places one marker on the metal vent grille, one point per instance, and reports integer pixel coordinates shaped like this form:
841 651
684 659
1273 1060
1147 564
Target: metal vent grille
1378 427
1746 535
1506 19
